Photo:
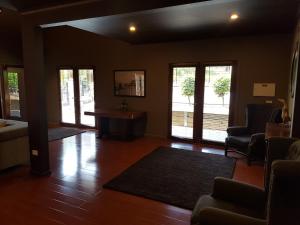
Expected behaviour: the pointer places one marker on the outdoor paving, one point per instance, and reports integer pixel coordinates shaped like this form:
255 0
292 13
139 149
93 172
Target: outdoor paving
211 135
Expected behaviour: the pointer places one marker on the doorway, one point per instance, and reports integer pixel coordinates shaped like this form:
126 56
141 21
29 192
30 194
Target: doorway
201 101
77 96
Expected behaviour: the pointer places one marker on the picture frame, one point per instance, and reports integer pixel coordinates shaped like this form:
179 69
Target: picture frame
130 83
294 70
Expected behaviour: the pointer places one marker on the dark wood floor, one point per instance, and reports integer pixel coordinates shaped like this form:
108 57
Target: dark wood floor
73 193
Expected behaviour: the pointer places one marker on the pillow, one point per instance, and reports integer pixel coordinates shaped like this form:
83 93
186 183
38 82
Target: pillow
294 151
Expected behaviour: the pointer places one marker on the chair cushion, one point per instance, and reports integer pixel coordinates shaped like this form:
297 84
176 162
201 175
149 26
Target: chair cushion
294 151
239 141
208 201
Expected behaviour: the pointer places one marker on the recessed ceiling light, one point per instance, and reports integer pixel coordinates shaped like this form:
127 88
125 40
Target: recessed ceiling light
1 10
234 16
132 28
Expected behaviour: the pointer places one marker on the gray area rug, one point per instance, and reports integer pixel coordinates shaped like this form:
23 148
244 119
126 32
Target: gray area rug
62 132
173 176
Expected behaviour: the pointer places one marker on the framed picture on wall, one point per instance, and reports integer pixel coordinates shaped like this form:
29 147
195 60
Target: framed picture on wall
294 70
129 83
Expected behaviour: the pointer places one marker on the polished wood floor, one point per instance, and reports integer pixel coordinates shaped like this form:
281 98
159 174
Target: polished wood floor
73 194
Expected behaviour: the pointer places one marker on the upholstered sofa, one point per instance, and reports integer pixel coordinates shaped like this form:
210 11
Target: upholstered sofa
14 144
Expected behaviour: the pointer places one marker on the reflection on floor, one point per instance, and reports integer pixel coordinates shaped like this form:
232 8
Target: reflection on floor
209 135
73 194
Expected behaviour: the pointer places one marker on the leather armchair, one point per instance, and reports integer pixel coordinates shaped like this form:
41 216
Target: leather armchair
249 140
235 203
277 149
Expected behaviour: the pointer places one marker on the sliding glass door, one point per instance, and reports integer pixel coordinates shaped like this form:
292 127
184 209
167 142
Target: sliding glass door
77 96
200 101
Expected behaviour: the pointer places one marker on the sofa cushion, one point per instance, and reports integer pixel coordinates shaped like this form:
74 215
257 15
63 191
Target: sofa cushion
14 129
294 151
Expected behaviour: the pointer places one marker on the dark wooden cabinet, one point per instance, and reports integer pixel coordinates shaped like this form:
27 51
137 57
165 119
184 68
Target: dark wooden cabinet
124 125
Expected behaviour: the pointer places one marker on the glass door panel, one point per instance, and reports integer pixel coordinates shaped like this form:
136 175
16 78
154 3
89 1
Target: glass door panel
216 102
183 89
67 96
86 96
13 94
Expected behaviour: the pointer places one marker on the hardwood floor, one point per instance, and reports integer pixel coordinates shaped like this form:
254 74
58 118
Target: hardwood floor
73 193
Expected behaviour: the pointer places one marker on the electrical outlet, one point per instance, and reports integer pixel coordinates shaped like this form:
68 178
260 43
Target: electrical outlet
269 101
35 152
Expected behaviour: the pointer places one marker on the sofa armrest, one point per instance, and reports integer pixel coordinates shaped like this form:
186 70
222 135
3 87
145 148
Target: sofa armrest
214 216
240 193
237 131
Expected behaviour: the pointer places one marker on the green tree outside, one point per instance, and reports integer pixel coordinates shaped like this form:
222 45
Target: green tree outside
188 88
221 87
12 79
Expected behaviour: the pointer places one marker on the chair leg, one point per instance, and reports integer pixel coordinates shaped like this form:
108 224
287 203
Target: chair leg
226 149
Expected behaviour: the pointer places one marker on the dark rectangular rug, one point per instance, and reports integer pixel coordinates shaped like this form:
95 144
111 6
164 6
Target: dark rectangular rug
62 132
173 176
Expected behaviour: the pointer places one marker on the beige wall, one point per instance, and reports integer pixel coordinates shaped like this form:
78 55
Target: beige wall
260 59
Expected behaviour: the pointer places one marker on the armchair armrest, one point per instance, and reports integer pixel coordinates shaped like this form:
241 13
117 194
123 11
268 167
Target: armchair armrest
214 216
286 168
241 193
258 137
237 131
257 145
278 147
257 141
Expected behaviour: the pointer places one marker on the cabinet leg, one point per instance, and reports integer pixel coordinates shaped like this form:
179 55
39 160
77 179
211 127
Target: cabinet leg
127 131
103 127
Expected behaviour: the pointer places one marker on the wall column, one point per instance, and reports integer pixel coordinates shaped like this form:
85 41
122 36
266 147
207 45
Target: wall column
35 85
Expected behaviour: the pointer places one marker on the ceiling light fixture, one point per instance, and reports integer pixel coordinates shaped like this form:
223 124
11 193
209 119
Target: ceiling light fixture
234 16
1 10
132 28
